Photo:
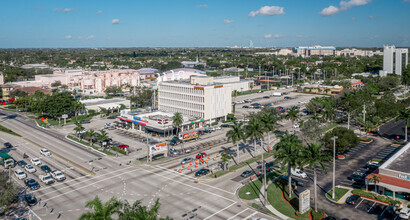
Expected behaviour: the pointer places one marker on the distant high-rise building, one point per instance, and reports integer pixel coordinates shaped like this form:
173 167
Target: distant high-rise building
250 44
394 60
315 51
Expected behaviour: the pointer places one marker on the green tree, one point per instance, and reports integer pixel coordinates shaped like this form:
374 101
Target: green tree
17 93
102 136
101 211
225 159
56 84
314 156
288 152
138 212
346 139
235 135
8 190
311 130
177 120
405 76
90 135
78 128
404 115
113 90
293 114
375 179
254 131
269 124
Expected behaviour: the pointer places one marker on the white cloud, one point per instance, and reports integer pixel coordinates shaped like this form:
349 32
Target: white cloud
344 5
329 11
276 36
299 35
267 11
66 10
68 37
90 37
99 12
268 36
115 21
228 21
202 6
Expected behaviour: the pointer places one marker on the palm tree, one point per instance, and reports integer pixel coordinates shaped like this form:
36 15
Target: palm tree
225 159
375 179
293 114
288 152
254 131
269 124
235 135
177 120
78 128
314 156
137 211
90 136
404 115
101 211
102 136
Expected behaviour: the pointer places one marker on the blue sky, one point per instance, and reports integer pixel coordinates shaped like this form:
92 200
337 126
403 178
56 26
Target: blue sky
203 23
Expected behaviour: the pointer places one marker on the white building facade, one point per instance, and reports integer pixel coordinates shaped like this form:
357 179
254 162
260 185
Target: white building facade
394 60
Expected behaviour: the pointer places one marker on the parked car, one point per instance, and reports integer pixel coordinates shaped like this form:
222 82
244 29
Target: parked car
8 145
45 168
248 100
266 97
358 185
21 163
84 121
20 174
356 176
298 173
58 175
296 125
202 172
29 168
173 151
225 125
218 128
30 200
404 213
45 152
285 179
255 104
247 173
352 200
46 179
260 91
186 160
245 106
111 117
32 184
287 97
392 210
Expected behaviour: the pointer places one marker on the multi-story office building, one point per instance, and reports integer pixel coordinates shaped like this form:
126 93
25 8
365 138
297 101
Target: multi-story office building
315 51
394 60
201 97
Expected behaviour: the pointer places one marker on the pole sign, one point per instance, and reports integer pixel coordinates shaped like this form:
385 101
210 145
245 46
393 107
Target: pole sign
64 116
158 148
304 201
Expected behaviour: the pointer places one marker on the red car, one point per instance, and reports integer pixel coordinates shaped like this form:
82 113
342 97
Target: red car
201 155
122 146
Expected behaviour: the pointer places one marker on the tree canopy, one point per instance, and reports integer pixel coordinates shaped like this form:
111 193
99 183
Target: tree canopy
346 139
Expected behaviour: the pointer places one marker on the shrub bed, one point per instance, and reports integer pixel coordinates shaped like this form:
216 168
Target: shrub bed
317 215
121 151
6 130
373 196
365 139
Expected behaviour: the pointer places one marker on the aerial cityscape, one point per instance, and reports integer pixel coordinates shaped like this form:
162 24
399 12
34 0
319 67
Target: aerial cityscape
205 110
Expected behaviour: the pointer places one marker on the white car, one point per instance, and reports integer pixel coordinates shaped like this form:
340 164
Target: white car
35 161
29 168
302 102
218 128
404 213
20 174
296 125
298 173
45 152
58 175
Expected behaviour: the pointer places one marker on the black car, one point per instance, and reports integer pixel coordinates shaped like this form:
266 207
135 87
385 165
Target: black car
257 107
8 145
85 121
358 185
287 97
225 125
32 184
356 177
202 172
111 117
46 169
31 200
266 97
247 173
21 163
352 200
255 104
245 106
392 210
329 218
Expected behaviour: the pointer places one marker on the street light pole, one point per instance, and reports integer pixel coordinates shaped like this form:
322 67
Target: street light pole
334 165
364 118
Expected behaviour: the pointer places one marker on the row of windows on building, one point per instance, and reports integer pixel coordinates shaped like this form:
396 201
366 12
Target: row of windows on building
183 111
184 90
181 104
175 95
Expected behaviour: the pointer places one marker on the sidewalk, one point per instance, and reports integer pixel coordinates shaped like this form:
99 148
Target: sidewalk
270 207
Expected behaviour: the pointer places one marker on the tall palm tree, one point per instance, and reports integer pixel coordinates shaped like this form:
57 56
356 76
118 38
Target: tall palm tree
235 135
90 136
288 152
78 128
293 114
177 120
101 211
269 123
404 115
314 156
254 131
225 159
375 179
103 135
138 212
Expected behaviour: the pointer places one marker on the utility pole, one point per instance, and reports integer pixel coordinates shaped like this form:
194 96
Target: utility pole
266 80
364 118
264 178
334 165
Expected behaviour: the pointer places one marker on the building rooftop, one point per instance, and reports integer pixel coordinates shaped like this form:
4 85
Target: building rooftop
399 161
101 101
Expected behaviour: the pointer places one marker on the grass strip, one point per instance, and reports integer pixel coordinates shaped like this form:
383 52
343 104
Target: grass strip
339 193
6 130
87 144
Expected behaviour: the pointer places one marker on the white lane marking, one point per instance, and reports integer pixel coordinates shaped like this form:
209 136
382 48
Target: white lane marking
162 176
220 211
359 203
238 214
61 194
250 216
371 207
381 215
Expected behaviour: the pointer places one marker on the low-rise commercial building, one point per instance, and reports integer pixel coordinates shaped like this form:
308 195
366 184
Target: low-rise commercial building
315 51
111 105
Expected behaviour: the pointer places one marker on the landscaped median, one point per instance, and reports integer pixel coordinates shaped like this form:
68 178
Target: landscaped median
373 196
252 190
240 165
339 193
88 145
365 140
6 130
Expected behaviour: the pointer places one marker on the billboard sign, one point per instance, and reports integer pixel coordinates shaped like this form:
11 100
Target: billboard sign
304 201
154 149
190 135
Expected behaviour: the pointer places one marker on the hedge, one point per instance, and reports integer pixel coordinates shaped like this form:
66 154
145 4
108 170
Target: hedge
373 196
317 215
121 151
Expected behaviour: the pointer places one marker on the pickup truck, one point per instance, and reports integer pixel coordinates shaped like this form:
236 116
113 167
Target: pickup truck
47 179
58 175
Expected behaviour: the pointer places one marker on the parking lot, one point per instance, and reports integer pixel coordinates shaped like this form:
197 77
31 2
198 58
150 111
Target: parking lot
372 209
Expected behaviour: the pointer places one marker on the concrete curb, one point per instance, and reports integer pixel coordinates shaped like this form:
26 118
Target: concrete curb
66 137
342 200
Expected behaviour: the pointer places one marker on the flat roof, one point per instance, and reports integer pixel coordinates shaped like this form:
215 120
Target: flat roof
101 101
399 161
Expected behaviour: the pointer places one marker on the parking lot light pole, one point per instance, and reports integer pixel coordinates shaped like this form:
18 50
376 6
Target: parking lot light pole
334 165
